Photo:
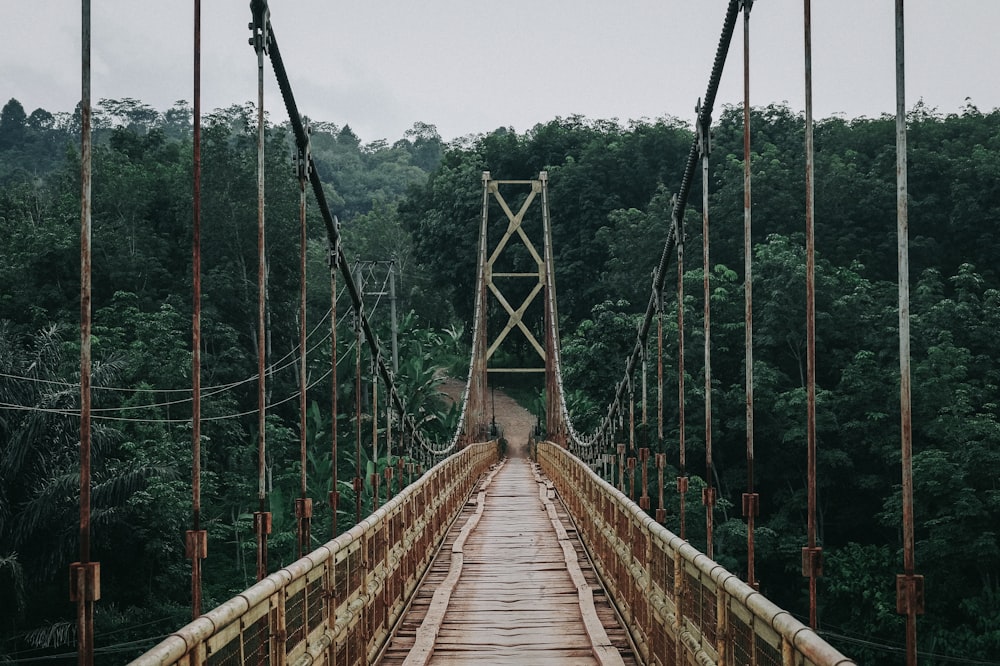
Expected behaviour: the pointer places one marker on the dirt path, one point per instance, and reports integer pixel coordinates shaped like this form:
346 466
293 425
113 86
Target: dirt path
515 420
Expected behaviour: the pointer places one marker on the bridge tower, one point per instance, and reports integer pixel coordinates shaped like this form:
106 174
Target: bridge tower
510 269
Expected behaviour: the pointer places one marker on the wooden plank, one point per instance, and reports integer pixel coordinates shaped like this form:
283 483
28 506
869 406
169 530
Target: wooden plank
525 592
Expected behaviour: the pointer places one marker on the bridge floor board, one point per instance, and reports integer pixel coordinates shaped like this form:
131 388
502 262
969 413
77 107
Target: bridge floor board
515 601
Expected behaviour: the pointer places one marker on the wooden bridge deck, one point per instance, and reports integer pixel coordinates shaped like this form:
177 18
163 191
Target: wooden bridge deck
511 585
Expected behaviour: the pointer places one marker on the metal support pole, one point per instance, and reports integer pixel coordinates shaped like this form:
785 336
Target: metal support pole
392 315
909 585
85 576
262 518
358 482
708 493
196 539
812 554
682 480
303 505
334 492
751 501
661 509
659 371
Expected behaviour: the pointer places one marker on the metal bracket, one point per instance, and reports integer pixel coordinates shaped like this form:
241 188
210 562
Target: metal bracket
85 581
303 157
196 544
909 594
704 132
812 562
260 26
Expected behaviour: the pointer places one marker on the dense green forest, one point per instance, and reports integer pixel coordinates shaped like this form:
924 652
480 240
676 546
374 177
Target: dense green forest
417 201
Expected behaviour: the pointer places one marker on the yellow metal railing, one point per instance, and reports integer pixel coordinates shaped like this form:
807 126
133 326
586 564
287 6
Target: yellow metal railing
647 569
339 604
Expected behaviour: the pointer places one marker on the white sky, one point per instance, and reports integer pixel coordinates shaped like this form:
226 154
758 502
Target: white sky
470 67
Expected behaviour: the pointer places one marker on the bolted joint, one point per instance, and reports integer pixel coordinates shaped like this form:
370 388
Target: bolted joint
85 581
682 484
260 25
708 496
262 522
644 502
643 455
661 460
334 500
303 507
751 505
196 544
661 516
630 463
358 484
909 594
812 562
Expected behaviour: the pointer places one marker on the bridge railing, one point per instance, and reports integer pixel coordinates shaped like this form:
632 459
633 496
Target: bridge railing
338 604
681 607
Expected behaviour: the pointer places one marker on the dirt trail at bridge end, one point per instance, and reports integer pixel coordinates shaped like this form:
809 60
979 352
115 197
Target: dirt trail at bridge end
515 420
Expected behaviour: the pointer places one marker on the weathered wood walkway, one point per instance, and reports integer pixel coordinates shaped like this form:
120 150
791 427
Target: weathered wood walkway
511 585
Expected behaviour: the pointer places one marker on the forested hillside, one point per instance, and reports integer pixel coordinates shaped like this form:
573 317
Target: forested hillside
418 201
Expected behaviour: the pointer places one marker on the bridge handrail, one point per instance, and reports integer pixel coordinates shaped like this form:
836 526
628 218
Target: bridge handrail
344 597
647 568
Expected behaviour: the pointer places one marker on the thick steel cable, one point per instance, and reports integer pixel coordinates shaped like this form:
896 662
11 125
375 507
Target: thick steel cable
680 201
333 234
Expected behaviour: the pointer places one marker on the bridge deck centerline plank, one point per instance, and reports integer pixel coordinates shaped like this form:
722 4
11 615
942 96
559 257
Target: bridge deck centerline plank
515 600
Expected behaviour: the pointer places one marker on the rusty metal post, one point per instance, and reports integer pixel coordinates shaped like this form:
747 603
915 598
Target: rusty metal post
262 518
358 483
708 493
375 485
659 370
303 505
661 510
751 500
909 585
85 576
631 477
682 479
812 554
334 492
621 468
196 539
644 497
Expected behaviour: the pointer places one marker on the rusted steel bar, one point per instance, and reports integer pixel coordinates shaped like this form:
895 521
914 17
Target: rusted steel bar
659 370
644 497
196 539
682 480
812 554
909 585
358 484
303 506
334 492
375 430
708 493
85 575
750 498
262 520
661 509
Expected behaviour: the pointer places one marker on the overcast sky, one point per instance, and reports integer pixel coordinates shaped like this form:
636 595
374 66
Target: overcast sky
469 66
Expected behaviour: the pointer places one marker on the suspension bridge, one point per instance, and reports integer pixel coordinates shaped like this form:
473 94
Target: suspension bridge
540 553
